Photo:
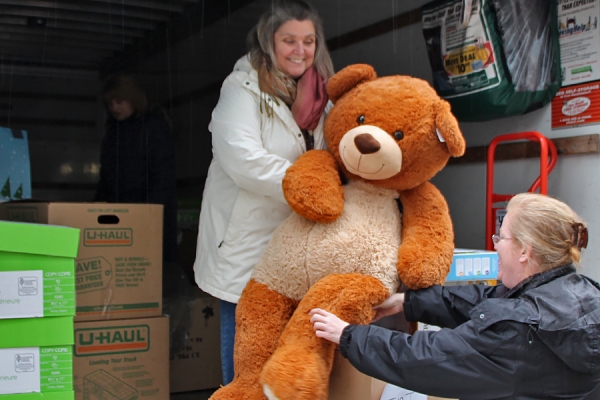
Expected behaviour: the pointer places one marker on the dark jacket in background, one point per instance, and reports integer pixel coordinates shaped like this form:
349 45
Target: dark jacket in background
138 166
540 340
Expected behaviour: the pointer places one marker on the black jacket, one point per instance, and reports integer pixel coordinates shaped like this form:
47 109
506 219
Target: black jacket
540 340
137 165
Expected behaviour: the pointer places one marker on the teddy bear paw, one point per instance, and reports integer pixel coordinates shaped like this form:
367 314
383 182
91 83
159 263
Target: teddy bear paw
236 391
269 393
294 374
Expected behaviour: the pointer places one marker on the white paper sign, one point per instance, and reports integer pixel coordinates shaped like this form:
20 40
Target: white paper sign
579 38
391 392
21 294
20 370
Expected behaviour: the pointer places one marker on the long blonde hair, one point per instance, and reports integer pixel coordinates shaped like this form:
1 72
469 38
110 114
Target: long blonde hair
554 231
271 79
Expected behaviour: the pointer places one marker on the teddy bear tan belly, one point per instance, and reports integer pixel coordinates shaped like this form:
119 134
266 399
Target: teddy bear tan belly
302 251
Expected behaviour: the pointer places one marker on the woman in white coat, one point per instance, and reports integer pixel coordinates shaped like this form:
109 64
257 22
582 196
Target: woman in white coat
271 110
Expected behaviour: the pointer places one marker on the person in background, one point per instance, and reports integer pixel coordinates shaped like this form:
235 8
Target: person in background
534 336
137 161
270 111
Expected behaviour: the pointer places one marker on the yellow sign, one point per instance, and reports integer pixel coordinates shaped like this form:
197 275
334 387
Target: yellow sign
466 60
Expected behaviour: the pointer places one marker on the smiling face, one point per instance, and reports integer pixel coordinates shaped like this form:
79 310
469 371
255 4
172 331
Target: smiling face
295 45
513 257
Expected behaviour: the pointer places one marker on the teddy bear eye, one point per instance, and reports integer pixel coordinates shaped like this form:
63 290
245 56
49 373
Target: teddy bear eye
399 135
360 120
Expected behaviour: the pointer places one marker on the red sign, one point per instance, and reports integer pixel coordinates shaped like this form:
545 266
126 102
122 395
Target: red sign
576 105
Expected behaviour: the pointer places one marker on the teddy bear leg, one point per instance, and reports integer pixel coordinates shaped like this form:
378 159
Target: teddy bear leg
261 316
300 367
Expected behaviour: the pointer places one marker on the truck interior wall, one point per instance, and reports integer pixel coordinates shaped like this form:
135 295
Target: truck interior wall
185 79
402 51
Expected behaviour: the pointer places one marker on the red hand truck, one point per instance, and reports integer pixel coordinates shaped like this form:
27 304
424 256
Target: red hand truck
547 163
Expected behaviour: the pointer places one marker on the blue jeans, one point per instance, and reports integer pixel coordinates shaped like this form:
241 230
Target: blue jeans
227 339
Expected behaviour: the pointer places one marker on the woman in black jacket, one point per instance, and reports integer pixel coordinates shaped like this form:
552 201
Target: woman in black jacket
137 160
535 336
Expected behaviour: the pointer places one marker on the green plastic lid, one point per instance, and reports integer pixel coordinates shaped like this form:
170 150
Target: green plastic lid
36 332
51 240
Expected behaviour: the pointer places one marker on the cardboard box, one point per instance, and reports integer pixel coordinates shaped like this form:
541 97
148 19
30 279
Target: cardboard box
36 355
201 350
119 264
37 270
347 383
122 359
473 265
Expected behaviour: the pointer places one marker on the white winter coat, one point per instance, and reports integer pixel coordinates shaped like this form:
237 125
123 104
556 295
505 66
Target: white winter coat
243 200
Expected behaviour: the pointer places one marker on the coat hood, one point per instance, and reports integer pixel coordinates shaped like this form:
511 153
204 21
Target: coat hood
243 64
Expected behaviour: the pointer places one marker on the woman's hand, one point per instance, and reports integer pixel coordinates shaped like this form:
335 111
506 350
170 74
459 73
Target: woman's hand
393 305
327 325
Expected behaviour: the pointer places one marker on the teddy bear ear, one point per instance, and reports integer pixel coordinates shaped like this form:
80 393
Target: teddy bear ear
447 127
348 78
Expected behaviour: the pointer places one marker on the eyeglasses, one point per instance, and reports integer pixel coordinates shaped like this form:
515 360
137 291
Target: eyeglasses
497 238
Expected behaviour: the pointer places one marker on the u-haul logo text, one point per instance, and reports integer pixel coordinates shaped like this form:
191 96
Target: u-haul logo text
119 339
103 237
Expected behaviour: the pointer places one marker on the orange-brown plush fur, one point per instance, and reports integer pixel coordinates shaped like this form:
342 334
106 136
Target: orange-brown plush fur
347 247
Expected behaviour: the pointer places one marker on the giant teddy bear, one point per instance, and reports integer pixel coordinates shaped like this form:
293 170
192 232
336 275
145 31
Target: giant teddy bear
365 221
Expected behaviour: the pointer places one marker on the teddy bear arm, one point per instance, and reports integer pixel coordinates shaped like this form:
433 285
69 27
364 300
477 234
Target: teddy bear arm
313 188
425 256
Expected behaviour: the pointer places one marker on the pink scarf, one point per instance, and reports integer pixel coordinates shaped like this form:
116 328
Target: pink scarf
311 99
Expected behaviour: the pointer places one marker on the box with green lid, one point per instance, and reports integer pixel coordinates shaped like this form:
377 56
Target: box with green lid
36 355
62 395
37 270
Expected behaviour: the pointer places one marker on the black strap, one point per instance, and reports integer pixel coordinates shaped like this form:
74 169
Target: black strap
309 139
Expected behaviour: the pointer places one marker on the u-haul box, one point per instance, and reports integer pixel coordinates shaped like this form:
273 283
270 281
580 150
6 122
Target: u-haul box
118 269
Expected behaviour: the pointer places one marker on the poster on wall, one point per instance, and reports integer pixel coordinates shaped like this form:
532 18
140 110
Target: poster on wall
15 173
576 105
579 38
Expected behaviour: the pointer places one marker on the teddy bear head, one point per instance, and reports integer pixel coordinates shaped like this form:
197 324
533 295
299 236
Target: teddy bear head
393 131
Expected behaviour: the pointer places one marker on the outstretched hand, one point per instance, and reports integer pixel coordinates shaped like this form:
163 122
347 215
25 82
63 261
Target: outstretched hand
327 325
393 305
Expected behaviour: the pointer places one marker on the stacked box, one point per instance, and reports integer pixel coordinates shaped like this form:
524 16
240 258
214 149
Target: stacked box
37 274
119 352
122 359
119 265
37 305
200 349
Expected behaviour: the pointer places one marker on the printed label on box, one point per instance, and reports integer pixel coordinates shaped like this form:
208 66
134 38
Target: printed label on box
93 274
24 362
391 392
19 370
59 293
30 294
28 286
21 294
56 368
427 327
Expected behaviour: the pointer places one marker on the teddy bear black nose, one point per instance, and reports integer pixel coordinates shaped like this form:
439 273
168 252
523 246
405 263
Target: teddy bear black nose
366 144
